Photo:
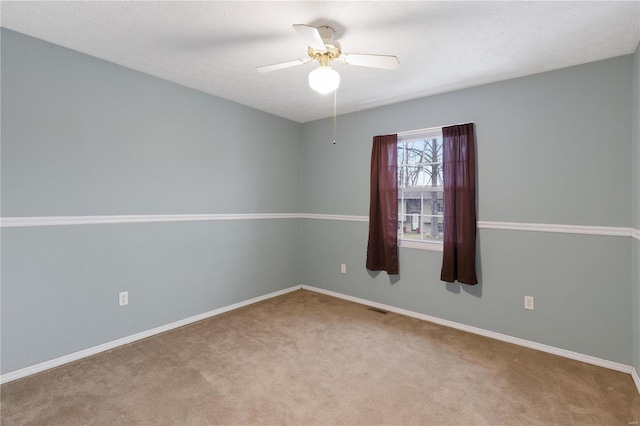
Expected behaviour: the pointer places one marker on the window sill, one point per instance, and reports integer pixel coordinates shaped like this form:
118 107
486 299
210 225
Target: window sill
420 245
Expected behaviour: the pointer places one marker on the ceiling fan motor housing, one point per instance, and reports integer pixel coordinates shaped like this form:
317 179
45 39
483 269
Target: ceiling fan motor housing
323 48
332 48
326 32
332 51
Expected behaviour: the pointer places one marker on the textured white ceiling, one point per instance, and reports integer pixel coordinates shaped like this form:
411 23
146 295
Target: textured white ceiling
214 46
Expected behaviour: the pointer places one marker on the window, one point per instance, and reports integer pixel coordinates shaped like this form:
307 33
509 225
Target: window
420 189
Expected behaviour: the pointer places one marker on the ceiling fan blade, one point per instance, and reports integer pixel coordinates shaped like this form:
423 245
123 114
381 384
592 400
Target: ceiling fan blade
311 36
274 67
388 62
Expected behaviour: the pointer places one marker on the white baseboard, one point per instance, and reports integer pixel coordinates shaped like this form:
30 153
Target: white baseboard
56 362
492 334
636 378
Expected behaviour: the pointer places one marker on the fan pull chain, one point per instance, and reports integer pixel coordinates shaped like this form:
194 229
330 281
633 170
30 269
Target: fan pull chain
335 96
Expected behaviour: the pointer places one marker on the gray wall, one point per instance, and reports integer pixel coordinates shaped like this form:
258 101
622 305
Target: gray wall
635 216
553 148
81 136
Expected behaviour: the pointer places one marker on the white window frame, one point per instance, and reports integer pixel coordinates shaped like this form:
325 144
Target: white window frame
430 133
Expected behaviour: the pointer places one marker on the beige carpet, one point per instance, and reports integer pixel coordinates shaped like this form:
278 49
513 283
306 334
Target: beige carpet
306 358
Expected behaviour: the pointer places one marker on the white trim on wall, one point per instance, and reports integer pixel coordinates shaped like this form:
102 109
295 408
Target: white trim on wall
421 245
612 365
15 222
349 218
636 378
56 362
612 231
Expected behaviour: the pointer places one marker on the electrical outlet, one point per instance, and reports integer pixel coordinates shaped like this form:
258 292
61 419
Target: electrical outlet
123 298
528 302
343 268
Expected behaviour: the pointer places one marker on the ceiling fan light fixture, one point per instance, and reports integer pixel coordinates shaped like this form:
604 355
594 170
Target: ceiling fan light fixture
324 79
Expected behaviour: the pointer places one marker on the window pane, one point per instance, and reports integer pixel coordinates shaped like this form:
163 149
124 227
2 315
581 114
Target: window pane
432 228
411 176
402 226
420 195
414 152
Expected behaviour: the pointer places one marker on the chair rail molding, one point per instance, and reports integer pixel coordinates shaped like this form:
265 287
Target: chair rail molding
25 221
612 231
17 222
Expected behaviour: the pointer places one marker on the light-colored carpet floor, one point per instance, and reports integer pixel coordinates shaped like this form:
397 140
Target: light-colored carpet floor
306 358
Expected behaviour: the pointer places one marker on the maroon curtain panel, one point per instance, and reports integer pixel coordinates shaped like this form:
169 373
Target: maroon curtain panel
459 254
382 249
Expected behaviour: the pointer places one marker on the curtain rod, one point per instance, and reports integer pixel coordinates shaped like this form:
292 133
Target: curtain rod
429 129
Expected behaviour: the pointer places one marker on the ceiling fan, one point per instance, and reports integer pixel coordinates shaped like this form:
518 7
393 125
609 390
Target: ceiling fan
324 49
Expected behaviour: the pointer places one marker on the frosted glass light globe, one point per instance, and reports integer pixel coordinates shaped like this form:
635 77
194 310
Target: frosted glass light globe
324 79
